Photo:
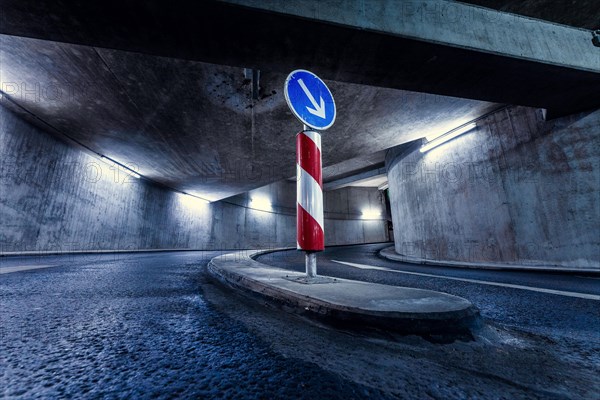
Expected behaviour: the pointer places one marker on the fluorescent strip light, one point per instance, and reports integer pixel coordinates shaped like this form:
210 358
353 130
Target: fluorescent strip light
371 214
261 203
197 198
131 173
383 186
192 203
448 136
121 167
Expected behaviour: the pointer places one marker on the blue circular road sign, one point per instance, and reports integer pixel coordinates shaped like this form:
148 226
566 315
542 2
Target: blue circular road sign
309 99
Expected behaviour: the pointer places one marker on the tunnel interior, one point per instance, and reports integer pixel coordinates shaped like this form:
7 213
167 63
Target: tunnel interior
151 192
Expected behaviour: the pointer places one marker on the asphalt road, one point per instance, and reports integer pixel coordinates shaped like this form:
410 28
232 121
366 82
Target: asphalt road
153 325
137 326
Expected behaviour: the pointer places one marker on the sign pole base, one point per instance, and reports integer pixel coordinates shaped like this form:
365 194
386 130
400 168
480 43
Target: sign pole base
311 264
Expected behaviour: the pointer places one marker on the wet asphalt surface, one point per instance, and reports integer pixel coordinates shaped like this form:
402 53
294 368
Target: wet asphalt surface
138 326
154 325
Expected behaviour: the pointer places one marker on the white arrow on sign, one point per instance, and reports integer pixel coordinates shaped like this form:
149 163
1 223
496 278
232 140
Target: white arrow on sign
319 110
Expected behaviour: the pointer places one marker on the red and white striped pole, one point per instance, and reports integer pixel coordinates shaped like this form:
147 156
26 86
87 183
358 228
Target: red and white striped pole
310 229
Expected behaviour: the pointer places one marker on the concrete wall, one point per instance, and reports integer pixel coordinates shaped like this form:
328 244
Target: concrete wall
517 189
344 222
56 197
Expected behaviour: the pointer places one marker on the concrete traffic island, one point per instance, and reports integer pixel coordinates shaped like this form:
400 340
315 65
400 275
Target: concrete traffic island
346 303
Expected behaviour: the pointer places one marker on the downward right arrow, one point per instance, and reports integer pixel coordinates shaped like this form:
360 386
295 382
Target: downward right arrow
319 110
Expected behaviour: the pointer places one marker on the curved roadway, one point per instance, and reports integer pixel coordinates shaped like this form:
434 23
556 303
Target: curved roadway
551 304
152 325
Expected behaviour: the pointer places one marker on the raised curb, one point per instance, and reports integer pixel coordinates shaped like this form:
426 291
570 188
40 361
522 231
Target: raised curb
390 254
83 252
346 303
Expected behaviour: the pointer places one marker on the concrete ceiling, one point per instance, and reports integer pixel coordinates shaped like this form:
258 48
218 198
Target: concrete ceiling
174 101
483 54
194 126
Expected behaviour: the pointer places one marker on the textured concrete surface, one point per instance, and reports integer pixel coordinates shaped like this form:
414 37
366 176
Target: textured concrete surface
516 189
345 302
436 46
343 210
452 24
54 197
190 122
580 13
194 126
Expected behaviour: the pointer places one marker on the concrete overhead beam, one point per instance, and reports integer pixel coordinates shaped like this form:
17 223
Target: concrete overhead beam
438 47
496 36
348 180
453 24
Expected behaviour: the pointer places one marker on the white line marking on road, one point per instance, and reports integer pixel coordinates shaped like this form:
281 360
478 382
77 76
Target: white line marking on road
530 288
8 270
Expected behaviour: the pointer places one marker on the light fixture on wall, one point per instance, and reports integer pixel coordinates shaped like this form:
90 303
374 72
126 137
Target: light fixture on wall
436 140
261 203
383 186
371 214
192 202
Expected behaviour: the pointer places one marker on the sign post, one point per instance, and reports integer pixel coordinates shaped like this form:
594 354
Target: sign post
311 102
